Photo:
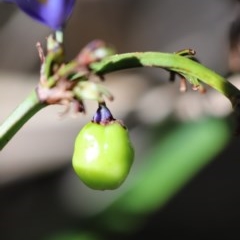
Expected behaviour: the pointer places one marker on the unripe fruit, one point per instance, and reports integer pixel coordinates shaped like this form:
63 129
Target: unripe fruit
103 153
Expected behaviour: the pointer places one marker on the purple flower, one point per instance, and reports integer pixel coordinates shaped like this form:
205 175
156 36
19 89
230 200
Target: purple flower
52 13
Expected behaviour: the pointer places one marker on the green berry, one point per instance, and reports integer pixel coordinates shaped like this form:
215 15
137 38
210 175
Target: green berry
103 153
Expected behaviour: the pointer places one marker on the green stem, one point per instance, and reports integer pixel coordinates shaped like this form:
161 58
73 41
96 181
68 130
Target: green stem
29 107
59 36
173 62
169 61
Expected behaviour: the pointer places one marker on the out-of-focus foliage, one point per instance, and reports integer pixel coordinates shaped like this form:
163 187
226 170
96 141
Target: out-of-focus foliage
178 152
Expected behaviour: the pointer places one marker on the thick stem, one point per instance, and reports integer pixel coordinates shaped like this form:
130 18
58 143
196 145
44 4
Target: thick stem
30 106
173 62
169 61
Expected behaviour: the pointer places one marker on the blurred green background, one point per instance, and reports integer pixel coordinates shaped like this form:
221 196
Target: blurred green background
184 181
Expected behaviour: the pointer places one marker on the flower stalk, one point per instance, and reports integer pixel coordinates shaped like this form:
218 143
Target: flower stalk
27 109
68 82
174 62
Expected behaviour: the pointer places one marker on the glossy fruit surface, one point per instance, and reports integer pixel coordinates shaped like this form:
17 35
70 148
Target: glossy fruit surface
103 155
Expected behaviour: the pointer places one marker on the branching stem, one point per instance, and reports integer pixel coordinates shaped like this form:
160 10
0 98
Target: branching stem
173 62
169 61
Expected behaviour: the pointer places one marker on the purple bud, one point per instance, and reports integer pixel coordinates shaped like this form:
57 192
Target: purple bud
103 115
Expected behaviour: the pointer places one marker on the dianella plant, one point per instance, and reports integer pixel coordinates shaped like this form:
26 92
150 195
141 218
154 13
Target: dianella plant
103 152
